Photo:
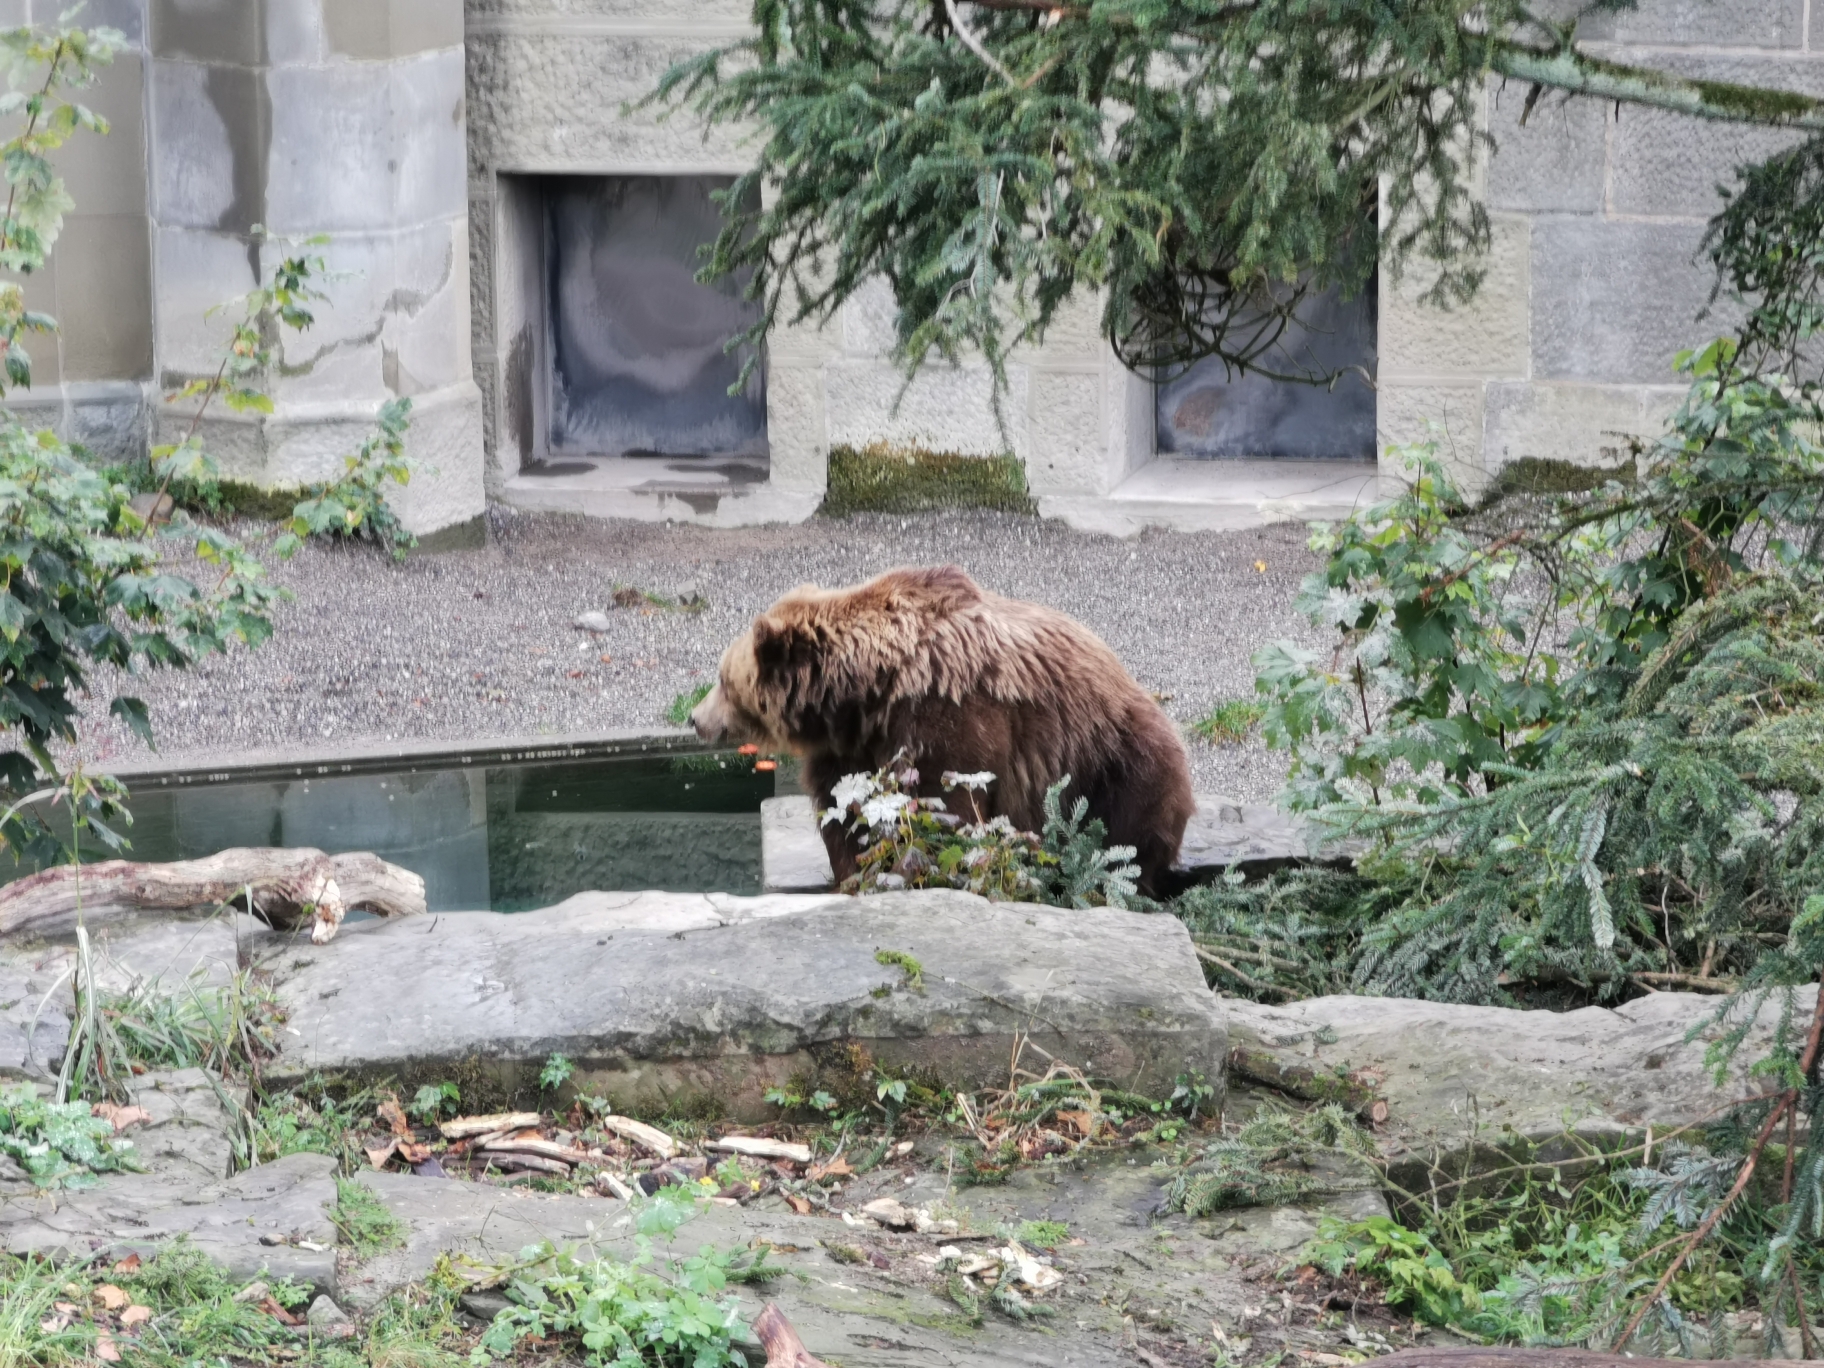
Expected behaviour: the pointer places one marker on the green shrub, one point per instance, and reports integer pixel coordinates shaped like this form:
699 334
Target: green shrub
913 842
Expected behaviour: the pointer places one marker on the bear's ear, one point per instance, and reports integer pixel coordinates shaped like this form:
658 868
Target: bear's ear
774 640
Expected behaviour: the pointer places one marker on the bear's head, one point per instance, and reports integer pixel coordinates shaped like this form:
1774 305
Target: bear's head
816 650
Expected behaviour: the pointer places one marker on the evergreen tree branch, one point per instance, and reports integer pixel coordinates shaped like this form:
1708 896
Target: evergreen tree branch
1578 73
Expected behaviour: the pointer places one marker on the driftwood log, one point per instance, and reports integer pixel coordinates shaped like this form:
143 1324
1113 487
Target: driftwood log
289 887
783 1347
1472 1357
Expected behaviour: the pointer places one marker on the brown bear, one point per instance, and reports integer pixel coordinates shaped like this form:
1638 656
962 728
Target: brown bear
927 662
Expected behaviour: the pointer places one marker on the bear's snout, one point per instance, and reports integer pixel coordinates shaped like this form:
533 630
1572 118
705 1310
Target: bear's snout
710 717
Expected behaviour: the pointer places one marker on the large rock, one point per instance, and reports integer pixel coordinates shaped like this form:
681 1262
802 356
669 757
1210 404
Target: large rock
264 1220
658 995
1459 1079
863 1296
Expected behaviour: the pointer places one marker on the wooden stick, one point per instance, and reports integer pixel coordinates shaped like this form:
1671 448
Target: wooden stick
783 1347
1472 1357
289 887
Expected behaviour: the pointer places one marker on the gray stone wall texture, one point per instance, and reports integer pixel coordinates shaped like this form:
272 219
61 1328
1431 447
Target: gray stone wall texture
1595 282
415 133
294 118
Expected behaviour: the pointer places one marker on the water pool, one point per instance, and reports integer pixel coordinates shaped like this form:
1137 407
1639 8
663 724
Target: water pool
501 833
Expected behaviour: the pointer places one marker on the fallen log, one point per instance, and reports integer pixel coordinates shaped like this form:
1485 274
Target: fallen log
783 1347
289 888
1474 1357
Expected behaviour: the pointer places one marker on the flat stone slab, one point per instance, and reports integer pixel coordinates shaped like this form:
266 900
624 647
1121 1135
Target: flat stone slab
792 853
887 1310
1454 1077
255 1222
1258 838
655 995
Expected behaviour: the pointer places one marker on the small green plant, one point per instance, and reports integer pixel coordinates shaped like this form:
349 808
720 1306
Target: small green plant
59 1144
1230 723
909 841
678 714
363 1221
557 1071
434 1099
1042 1234
308 1120
787 1100
1418 1278
354 505
1267 1162
914 971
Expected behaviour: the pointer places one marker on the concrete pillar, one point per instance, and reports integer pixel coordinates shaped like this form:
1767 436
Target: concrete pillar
342 118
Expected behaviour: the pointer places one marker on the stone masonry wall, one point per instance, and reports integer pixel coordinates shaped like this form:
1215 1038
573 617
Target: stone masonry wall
342 118
546 82
1593 285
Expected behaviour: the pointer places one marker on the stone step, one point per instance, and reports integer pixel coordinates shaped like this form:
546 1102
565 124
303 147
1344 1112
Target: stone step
661 997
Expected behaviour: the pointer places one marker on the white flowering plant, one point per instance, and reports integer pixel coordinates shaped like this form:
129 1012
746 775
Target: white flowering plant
913 841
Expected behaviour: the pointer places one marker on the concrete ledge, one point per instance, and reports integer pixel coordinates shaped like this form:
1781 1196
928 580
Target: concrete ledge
710 492
668 999
1219 496
793 856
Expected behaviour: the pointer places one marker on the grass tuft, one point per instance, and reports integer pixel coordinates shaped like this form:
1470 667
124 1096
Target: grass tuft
678 714
1230 723
366 1226
883 478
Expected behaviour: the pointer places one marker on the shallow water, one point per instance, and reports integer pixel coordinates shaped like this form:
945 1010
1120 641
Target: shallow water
504 838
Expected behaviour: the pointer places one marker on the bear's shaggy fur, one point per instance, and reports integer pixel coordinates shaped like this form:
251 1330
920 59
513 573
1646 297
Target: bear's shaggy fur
927 662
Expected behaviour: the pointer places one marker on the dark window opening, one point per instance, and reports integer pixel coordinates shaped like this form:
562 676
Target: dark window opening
1208 413
637 364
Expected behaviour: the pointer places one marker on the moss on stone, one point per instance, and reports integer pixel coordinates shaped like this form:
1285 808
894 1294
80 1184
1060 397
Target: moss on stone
1539 475
883 478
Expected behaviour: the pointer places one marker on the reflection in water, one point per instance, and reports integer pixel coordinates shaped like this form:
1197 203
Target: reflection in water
506 838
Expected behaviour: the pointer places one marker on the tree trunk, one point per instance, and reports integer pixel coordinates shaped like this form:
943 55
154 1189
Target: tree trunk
783 1347
288 888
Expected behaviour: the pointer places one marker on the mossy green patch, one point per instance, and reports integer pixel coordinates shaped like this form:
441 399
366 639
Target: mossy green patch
882 478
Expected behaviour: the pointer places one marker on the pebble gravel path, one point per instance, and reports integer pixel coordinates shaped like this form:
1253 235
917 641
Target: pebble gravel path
479 644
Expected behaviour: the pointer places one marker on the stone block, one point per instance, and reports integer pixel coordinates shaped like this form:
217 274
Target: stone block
1449 414
445 440
543 101
336 149
1719 23
294 32
195 272
797 429
793 856
429 107
1067 436
223 31
945 408
104 298
1485 337
1614 302
209 132
107 175
651 1012
1556 162
1585 424
1669 165
376 30
1457 1078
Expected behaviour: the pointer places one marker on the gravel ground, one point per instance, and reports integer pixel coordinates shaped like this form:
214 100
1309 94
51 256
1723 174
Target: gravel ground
479 644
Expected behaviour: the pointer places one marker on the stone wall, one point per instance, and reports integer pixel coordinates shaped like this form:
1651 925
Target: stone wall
336 117
1593 285
547 81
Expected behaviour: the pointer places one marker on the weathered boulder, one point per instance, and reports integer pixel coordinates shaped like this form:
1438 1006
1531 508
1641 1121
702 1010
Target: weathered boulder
654 995
1455 1077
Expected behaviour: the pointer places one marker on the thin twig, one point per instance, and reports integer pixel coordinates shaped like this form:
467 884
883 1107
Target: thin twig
974 44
